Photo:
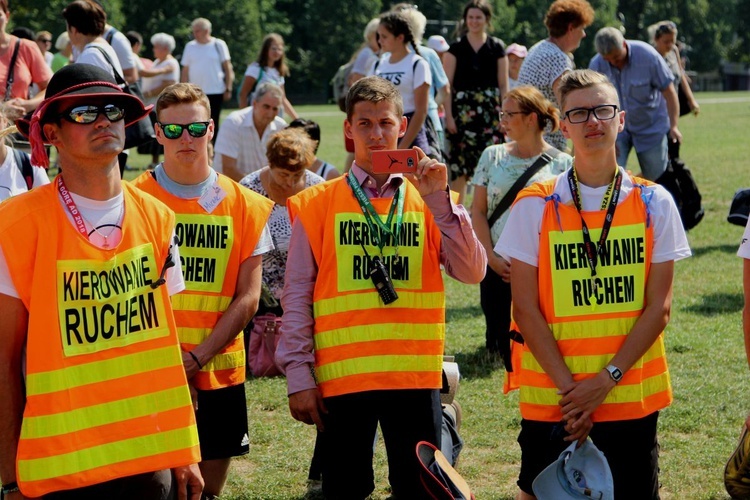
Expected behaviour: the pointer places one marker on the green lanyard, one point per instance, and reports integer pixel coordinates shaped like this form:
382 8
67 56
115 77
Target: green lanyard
374 220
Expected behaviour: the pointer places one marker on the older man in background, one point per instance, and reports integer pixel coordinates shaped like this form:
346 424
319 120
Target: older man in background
644 85
241 146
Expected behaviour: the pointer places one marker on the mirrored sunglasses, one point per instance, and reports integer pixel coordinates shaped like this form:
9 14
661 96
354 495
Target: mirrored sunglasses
174 130
89 114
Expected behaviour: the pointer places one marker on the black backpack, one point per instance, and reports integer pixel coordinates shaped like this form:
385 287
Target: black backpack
23 161
678 180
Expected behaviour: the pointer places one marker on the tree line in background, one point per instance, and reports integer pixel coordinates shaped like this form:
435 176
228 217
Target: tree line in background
320 35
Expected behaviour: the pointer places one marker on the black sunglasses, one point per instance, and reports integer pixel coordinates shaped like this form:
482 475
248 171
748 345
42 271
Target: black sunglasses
174 130
88 114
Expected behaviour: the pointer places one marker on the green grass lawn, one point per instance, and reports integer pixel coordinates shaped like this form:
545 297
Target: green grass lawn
704 342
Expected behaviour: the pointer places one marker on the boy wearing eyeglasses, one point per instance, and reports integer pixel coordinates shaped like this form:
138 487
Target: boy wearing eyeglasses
221 231
95 399
592 256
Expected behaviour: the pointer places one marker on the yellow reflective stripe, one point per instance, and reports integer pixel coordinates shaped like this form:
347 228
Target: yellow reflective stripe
100 371
225 361
107 454
592 329
376 364
380 331
103 414
655 351
201 303
576 364
371 300
193 336
591 364
633 393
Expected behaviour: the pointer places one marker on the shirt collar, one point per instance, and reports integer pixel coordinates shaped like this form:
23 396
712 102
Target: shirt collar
365 180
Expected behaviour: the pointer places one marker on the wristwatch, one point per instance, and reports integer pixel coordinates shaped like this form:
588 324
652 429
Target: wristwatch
614 373
8 488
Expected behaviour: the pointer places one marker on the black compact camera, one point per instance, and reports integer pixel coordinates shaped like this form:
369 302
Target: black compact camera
382 282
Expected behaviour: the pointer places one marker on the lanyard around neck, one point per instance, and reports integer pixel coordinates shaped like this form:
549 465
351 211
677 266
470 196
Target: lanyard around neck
609 201
72 208
379 228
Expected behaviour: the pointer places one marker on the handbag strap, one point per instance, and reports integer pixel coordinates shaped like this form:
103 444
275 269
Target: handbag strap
118 77
510 196
11 70
23 161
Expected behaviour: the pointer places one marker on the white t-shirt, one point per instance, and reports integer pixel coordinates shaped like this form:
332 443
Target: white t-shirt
154 82
204 62
270 74
122 48
12 182
408 74
92 55
520 238
364 61
107 217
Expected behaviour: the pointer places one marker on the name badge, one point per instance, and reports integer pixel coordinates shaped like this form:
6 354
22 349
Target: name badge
212 197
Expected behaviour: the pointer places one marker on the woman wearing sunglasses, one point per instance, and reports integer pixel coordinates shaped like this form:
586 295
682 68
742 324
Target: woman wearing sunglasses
524 116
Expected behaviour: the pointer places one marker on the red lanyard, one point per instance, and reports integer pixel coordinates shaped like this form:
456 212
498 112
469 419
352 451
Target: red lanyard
68 199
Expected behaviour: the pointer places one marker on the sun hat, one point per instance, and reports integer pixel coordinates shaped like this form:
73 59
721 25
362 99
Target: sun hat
438 43
516 49
72 82
438 476
579 473
737 470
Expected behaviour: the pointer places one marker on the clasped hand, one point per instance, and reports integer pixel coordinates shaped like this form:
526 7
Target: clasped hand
578 402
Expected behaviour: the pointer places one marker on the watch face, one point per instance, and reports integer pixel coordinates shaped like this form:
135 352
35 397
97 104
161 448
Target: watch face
615 373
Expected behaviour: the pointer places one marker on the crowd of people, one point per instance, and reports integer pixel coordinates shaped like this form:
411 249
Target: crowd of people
126 389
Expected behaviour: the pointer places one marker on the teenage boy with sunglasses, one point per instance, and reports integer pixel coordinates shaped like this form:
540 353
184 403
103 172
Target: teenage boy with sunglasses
95 399
592 257
373 361
222 236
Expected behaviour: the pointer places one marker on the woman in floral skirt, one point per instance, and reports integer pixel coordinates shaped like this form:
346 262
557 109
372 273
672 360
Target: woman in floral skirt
477 68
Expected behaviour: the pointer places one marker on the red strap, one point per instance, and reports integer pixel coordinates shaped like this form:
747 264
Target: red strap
71 205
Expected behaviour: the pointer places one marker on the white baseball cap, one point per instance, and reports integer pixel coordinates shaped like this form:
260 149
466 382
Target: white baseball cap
438 43
578 474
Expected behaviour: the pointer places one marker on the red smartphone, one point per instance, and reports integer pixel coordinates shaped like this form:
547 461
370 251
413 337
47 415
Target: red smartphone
394 161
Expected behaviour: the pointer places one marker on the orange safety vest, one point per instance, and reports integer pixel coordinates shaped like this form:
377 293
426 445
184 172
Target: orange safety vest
212 248
588 337
106 394
360 343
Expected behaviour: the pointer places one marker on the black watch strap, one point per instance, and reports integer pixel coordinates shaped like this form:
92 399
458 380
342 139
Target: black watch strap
9 488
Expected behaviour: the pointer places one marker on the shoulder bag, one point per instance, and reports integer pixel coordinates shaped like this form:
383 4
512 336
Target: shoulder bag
510 196
141 131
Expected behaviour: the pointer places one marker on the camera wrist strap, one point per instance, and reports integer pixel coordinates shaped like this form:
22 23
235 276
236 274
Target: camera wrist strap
379 228
609 202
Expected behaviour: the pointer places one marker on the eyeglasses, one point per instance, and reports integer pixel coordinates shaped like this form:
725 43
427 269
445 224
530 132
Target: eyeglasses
88 114
511 114
174 130
581 115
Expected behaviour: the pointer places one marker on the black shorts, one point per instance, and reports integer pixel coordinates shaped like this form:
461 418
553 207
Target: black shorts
630 446
222 422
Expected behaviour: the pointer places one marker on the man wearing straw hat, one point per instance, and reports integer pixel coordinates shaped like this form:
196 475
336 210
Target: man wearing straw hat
95 400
